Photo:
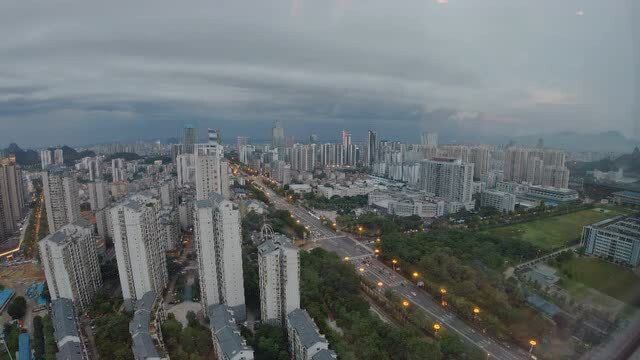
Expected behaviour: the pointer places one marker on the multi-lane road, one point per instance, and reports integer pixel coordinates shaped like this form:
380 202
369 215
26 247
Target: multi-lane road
369 267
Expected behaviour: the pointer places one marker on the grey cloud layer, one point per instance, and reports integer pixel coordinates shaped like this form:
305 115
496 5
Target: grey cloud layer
520 66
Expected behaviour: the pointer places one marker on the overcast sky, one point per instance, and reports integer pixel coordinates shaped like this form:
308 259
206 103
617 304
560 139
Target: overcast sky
79 72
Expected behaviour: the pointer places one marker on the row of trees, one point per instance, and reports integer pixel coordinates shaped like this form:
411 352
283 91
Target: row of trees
344 204
468 265
374 224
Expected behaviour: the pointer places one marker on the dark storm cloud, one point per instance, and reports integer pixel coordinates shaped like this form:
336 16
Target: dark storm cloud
94 69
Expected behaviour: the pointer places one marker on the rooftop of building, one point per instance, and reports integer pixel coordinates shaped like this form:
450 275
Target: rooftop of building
143 346
304 326
64 318
224 328
628 193
325 354
278 241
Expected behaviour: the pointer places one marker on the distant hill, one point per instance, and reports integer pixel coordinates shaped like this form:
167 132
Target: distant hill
32 157
629 163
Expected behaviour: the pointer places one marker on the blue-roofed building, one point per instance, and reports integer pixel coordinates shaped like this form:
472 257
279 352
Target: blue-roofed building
24 347
627 198
5 297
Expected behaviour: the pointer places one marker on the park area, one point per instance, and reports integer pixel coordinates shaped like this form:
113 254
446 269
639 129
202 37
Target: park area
580 273
556 231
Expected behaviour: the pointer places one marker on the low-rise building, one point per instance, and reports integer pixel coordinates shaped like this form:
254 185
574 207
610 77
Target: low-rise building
305 340
227 341
627 198
65 331
616 240
502 201
146 340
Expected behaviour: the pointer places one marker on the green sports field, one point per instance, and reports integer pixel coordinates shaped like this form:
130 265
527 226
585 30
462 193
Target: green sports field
557 231
613 280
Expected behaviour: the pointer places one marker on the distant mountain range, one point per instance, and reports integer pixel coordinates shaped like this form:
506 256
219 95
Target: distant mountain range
629 163
32 157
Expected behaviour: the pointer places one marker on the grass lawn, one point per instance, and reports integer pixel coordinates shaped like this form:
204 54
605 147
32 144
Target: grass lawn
556 231
613 280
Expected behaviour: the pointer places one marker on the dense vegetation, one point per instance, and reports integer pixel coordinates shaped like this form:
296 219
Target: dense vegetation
330 291
465 264
283 222
373 224
11 334
269 342
127 156
112 336
192 342
17 308
343 204
257 193
50 345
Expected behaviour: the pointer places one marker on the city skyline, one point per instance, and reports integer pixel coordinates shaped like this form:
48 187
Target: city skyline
478 79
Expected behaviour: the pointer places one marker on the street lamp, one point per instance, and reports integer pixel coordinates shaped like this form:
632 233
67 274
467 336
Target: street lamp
405 303
380 284
346 258
361 269
533 343
415 274
443 291
436 328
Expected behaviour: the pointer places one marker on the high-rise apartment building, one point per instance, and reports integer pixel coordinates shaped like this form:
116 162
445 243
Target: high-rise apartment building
98 195
118 170
556 176
277 135
429 138
218 243
94 166
60 197
279 268
11 197
139 246
240 142
46 158
303 157
450 179
58 157
70 263
499 200
188 139
479 156
186 168
515 164
211 171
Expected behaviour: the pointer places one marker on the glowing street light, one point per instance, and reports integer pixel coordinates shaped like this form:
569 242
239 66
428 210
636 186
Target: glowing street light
443 291
380 284
437 327
415 274
346 258
394 261
476 311
361 269
376 251
533 343
405 303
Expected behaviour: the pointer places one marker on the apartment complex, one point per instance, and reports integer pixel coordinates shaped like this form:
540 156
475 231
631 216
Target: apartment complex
60 196
139 246
70 261
210 171
279 268
227 341
447 178
218 243
500 200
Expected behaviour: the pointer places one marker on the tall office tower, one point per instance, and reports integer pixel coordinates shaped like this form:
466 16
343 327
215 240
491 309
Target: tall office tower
70 263
429 138
480 158
556 176
60 197
277 135
554 157
11 197
58 157
515 164
93 166
535 167
346 138
450 179
139 246
219 248
186 168
240 142
211 171
188 139
46 158
279 268
371 155
98 195
118 170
